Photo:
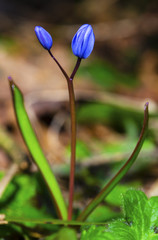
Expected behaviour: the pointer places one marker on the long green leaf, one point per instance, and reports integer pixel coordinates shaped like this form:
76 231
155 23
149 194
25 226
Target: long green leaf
50 221
35 150
120 174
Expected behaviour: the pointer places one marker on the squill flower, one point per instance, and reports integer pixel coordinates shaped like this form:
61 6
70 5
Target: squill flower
83 41
44 37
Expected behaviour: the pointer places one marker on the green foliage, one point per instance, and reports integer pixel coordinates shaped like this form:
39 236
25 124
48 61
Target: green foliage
107 75
111 209
103 213
10 232
82 150
118 191
140 220
24 198
64 233
106 113
23 202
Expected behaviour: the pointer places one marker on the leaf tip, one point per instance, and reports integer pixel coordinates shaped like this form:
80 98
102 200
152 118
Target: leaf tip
146 106
10 78
11 82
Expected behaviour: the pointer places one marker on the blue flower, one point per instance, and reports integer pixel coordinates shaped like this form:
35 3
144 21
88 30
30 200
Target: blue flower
44 37
83 41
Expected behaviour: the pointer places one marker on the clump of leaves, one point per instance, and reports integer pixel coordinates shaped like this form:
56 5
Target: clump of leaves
140 220
24 216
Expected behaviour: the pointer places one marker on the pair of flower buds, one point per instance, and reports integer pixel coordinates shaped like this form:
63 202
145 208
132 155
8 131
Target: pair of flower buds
82 42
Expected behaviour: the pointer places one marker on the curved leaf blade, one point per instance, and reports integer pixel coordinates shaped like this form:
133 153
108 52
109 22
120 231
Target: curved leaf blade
120 174
35 150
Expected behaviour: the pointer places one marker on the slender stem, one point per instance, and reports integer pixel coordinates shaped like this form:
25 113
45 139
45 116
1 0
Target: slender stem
73 138
73 129
73 148
61 68
75 68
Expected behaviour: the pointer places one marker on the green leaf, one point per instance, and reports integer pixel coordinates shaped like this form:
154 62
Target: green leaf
137 211
120 230
103 214
35 150
118 191
153 202
117 230
144 217
140 221
120 174
94 233
64 233
23 198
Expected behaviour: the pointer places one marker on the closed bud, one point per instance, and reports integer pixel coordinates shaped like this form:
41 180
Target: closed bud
83 41
44 37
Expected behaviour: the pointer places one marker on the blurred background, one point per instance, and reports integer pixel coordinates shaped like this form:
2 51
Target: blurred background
111 86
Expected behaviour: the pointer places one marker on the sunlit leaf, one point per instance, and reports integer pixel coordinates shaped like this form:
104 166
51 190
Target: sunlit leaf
35 150
140 220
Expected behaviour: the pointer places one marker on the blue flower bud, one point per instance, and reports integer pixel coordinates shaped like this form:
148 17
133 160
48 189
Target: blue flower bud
83 41
44 37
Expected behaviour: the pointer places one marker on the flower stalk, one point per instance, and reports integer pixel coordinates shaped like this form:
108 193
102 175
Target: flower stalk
82 46
73 138
73 129
73 148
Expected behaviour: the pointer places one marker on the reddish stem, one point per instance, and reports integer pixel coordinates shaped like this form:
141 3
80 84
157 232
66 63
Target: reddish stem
73 129
73 148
